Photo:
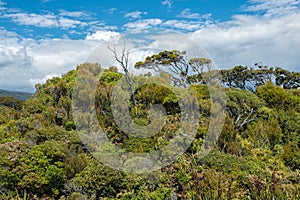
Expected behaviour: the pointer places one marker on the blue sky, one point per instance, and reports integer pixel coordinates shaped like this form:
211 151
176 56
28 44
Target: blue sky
40 39
75 19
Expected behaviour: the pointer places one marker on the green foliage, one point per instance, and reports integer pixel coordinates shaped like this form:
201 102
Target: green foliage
256 157
291 155
11 102
243 106
277 97
97 179
41 170
110 76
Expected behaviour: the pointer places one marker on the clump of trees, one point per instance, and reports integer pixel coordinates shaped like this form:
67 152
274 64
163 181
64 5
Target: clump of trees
256 157
249 78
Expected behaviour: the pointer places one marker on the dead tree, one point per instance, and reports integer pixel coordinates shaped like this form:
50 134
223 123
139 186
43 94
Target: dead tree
123 62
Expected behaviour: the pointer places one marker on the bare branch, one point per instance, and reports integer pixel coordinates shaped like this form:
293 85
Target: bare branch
123 62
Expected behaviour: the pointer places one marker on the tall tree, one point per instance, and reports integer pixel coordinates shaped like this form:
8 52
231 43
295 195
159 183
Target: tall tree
183 72
236 77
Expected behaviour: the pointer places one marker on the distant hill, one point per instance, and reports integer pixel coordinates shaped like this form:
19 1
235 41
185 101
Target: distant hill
16 95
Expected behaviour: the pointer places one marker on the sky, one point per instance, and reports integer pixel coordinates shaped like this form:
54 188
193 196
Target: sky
40 39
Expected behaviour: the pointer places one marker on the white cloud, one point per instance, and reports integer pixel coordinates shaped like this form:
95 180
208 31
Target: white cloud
34 81
75 14
135 14
108 36
47 20
33 19
246 40
167 3
57 55
14 61
14 55
70 23
10 52
273 7
186 13
183 24
25 61
100 25
111 10
141 25
15 78
7 35
182 42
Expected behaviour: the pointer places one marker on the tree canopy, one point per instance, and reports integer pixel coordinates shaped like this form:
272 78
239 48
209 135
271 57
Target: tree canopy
256 156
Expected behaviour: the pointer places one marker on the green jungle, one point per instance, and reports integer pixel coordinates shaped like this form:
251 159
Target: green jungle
256 156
